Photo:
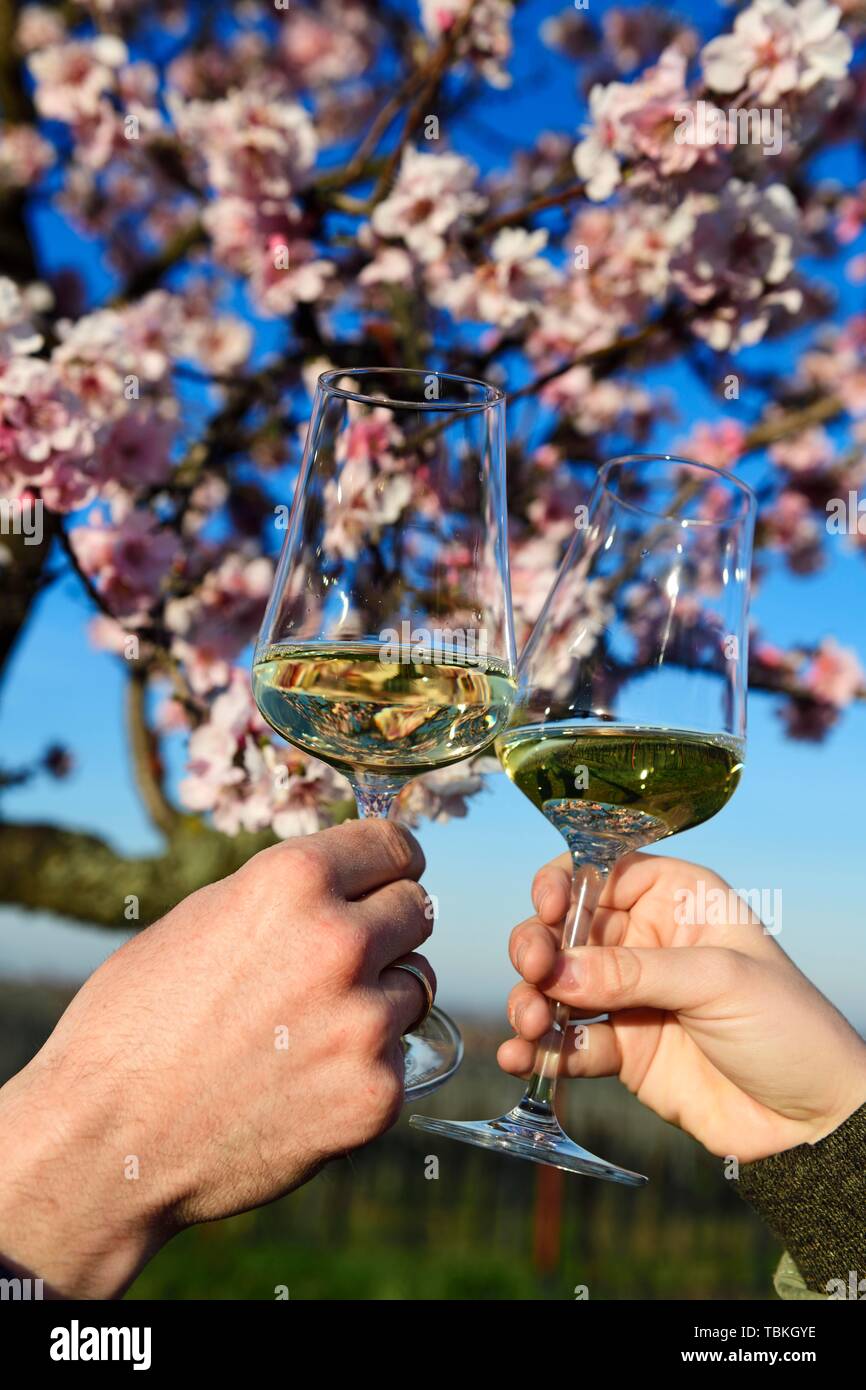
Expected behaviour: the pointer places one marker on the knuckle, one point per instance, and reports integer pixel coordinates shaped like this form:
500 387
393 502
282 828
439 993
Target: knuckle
309 865
620 971
340 948
386 1096
610 972
352 951
374 1025
521 936
418 907
398 844
541 880
731 967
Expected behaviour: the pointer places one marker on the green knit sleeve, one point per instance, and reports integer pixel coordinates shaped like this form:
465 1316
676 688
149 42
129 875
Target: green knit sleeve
814 1198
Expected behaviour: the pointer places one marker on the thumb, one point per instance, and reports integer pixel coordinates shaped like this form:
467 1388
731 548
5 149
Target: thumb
683 979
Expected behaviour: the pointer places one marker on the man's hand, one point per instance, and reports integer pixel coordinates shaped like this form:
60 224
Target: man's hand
711 1026
218 1059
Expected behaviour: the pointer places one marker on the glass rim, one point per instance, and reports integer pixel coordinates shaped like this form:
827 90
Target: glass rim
748 497
490 395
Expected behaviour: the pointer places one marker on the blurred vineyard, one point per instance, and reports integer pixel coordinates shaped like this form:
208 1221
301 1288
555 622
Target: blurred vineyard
373 1226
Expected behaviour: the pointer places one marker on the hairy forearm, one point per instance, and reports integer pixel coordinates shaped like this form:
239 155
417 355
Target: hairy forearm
69 1212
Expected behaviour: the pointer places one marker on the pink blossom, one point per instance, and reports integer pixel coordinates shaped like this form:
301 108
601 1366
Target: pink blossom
325 47
368 493
283 266
620 269
72 77
219 343
600 405
390 266
18 337
252 145
134 450
432 195
810 451
553 509
108 635
440 796
246 782
172 717
851 216
719 443
735 252
776 49
790 526
634 121
214 624
45 441
534 563
38 27
129 560
24 156
835 675
487 44
506 289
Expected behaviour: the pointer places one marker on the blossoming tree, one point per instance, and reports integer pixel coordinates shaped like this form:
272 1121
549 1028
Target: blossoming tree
279 187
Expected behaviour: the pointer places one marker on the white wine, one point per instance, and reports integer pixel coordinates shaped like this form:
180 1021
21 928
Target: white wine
641 783
346 705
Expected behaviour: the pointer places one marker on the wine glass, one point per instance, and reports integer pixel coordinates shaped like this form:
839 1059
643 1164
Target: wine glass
630 719
387 647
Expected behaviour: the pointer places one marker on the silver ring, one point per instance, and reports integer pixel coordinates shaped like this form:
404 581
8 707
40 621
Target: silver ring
427 988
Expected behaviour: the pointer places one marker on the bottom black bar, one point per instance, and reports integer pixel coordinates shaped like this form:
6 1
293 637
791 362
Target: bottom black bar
86 1339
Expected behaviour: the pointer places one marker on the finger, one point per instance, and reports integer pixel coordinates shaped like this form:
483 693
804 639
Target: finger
532 948
361 855
609 926
590 1050
633 876
551 889
405 991
396 919
683 979
529 1012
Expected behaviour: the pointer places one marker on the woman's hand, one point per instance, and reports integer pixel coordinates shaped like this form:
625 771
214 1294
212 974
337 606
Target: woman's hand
711 1026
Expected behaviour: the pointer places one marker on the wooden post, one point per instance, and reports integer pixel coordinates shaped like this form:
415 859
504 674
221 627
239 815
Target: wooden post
547 1219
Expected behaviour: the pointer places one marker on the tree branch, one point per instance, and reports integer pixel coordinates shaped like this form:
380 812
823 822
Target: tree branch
146 759
430 77
518 215
80 876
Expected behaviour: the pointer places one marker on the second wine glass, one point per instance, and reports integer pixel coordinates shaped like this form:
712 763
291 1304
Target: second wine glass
387 648
630 721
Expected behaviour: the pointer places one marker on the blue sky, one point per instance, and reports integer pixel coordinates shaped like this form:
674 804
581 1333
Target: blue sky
795 823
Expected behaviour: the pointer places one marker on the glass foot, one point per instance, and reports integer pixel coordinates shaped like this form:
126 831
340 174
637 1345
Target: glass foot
542 1140
431 1055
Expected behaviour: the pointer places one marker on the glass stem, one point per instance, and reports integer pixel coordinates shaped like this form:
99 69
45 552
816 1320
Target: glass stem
587 884
375 793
